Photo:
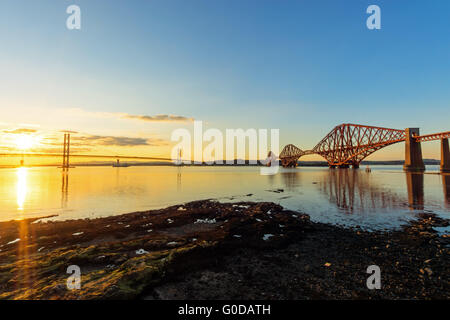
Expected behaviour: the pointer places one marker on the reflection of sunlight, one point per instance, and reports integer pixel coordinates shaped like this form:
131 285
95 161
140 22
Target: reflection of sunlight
21 187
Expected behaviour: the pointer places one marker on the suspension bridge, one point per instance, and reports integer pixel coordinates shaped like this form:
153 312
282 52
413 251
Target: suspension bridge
66 155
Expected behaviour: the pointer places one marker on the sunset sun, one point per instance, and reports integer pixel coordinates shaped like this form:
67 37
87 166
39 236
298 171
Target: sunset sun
24 142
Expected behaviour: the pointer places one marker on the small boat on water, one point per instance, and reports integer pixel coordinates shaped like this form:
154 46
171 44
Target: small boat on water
120 165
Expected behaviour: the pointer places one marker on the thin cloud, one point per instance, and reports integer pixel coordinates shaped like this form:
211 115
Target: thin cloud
158 118
20 130
117 141
68 131
122 115
59 150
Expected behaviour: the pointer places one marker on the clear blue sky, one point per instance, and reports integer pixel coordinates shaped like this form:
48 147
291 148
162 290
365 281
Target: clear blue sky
301 66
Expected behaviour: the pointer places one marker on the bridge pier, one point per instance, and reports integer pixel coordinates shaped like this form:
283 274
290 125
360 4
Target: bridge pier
445 156
289 163
413 151
344 166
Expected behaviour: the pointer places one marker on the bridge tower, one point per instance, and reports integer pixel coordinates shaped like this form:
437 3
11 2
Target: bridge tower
66 153
413 151
445 155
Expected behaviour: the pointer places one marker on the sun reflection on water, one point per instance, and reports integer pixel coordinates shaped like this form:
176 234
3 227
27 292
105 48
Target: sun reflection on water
21 187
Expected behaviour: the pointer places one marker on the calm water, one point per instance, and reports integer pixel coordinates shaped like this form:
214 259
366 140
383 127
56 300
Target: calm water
384 198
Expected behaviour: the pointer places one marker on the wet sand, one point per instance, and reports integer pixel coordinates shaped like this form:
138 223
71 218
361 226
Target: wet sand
212 250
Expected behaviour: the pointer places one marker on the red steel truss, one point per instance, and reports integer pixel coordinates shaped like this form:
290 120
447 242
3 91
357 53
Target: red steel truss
433 136
349 144
346 144
290 155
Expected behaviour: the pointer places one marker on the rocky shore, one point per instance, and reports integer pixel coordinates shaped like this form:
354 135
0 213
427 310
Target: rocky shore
212 250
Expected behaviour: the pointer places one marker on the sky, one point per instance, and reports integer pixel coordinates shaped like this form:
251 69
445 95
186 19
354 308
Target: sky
137 70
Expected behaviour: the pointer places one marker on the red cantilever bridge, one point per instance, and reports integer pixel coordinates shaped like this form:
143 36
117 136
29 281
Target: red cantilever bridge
348 144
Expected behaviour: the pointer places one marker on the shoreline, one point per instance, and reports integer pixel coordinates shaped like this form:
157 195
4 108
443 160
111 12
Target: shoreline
212 250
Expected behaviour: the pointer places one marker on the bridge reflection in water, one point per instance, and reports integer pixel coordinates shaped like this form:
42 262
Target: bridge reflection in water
64 189
356 191
414 184
446 186
351 190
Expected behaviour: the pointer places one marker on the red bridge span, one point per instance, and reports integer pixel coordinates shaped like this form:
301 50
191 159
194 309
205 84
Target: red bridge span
348 144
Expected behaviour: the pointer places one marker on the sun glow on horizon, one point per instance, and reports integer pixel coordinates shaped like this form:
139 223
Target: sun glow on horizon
25 141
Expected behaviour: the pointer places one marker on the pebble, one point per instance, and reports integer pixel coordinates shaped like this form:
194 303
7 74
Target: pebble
141 251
